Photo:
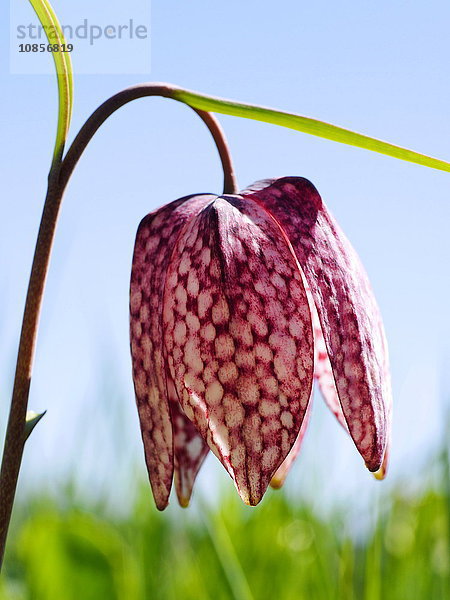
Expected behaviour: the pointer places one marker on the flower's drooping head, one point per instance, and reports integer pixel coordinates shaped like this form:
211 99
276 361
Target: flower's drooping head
237 303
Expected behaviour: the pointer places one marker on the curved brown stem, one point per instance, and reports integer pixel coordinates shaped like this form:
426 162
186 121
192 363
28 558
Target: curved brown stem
230 184
58 179
110 106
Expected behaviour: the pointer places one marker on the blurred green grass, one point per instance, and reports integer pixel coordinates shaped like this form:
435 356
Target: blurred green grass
72 549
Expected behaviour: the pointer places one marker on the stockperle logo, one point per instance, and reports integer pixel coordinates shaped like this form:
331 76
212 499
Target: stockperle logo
107 39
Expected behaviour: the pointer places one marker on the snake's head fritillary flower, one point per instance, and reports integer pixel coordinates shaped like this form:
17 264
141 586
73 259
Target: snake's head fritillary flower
237 304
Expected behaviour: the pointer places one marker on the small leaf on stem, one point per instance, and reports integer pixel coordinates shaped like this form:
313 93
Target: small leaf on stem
32 419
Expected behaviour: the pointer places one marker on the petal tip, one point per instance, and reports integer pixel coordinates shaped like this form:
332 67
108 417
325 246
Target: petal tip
161 505
244 496
276 483
253 501
247 498
378 470
183 501
380 474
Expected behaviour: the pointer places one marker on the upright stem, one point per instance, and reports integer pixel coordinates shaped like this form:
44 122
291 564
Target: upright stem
15 433
58 179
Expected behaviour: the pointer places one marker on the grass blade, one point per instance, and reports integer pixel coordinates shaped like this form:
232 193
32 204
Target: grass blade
307 125
63 66
227 556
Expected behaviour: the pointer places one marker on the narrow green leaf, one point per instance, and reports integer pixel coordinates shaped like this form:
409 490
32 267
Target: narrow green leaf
63 66
66 57
306 125
227 557
32 419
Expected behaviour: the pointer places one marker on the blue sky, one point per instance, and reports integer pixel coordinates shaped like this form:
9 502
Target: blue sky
379 68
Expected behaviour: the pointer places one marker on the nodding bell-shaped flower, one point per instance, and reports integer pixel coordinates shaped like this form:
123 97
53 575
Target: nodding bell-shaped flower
237 304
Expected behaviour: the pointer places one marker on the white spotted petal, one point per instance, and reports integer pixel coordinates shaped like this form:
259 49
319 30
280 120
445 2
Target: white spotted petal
349 316
190 449
238 338
155 239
